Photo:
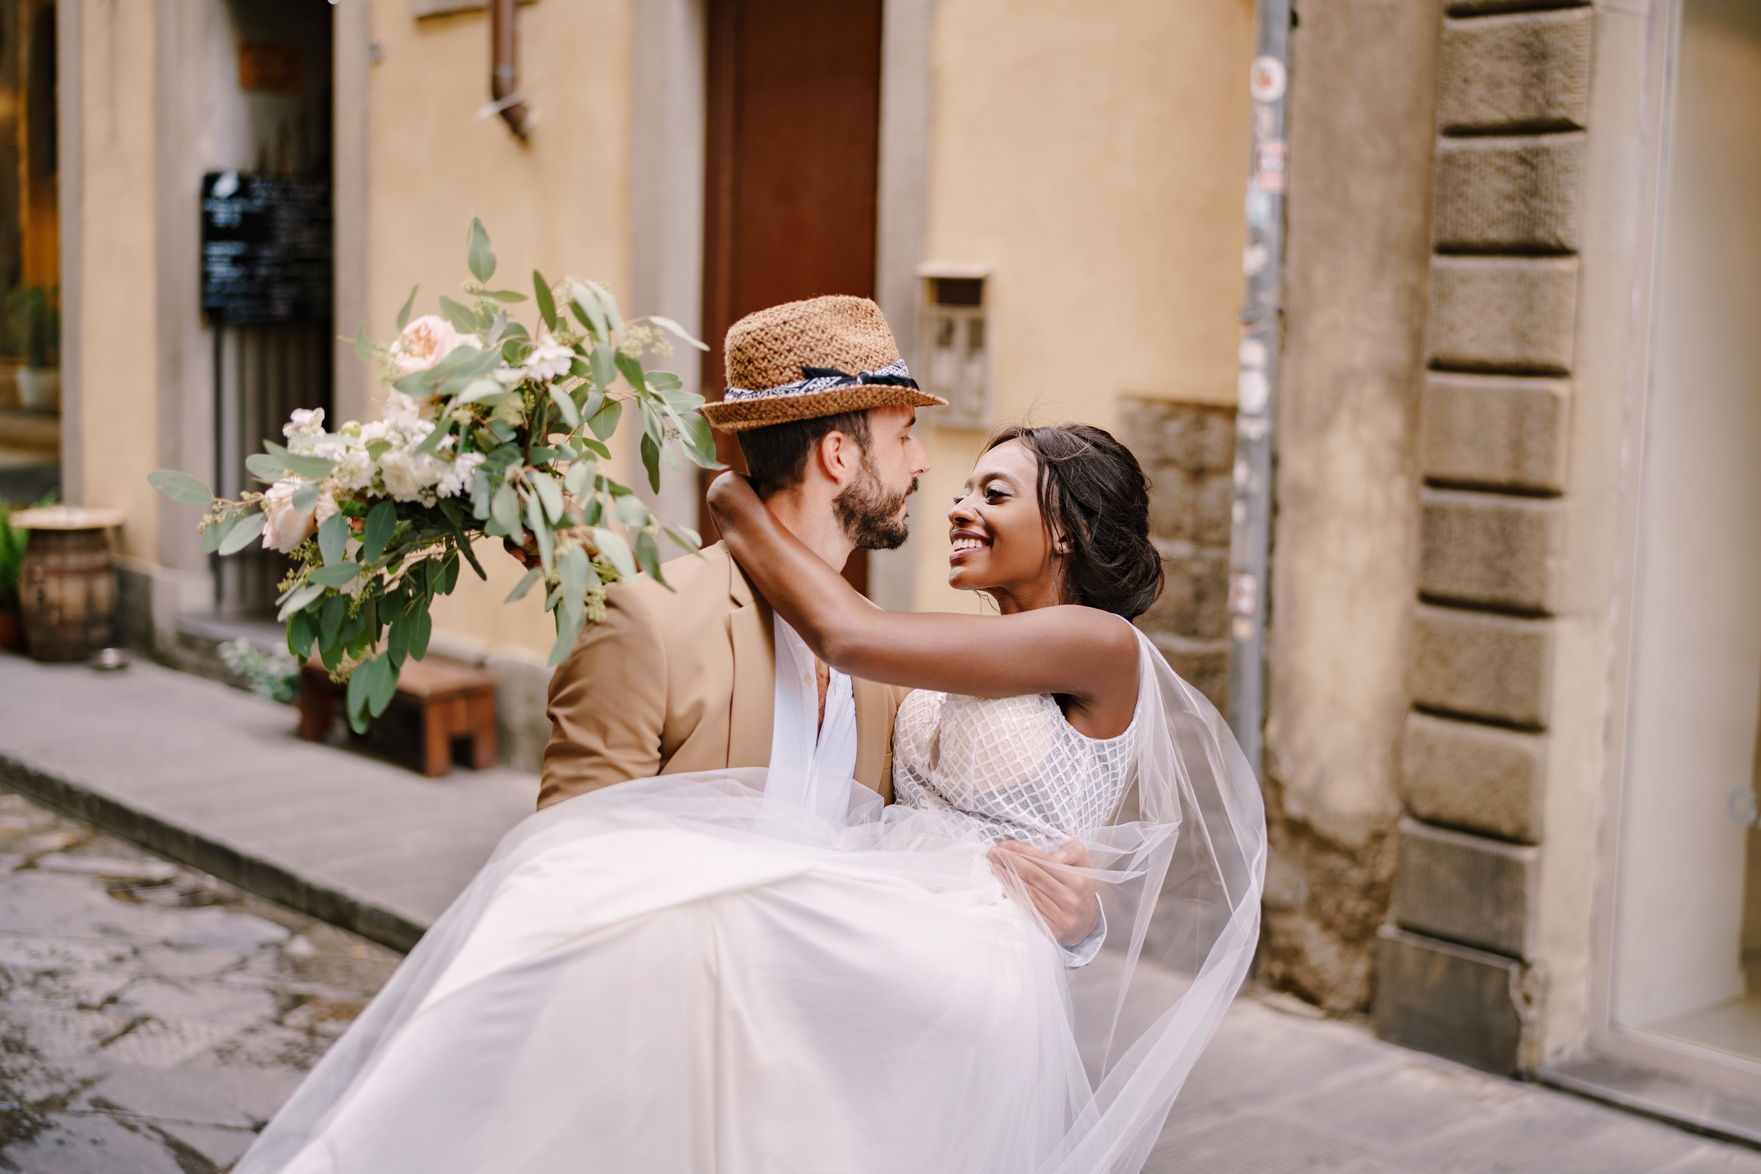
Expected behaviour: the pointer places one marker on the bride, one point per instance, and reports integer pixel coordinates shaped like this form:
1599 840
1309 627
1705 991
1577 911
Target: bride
683 974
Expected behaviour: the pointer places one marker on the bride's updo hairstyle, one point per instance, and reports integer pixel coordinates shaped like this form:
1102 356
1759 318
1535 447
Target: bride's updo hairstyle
1094 493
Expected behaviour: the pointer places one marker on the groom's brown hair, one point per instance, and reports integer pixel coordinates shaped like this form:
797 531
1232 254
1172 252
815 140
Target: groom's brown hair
776 456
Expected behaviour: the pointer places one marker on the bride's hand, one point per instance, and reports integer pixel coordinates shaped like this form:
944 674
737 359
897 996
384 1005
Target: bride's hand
731 498
1065 899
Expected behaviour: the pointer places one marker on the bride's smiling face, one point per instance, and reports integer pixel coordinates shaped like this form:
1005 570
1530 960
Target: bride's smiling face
998 534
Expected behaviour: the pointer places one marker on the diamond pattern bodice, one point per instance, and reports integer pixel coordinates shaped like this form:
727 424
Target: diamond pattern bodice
1007 768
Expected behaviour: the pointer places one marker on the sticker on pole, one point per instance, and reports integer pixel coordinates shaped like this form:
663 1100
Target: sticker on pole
1265 79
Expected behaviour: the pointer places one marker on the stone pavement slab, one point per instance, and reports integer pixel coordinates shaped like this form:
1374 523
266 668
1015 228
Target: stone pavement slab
217 779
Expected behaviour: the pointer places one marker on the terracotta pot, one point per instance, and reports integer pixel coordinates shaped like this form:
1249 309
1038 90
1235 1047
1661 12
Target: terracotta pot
11 631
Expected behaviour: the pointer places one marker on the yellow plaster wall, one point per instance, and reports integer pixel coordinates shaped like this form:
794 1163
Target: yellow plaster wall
118 322
559 202
1095 158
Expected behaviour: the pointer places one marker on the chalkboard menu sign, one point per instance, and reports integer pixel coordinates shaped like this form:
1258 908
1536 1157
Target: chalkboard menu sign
266 245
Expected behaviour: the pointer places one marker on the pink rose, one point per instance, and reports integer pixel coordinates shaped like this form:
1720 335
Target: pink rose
425 342
286 527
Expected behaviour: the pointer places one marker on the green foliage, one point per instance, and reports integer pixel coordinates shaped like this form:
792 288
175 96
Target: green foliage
273 675
33 324
530 408
11 559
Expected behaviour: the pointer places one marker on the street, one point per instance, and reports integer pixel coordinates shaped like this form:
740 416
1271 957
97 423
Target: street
152 1017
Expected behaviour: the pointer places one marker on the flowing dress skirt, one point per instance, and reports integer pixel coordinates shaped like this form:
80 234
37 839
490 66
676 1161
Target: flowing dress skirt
674 975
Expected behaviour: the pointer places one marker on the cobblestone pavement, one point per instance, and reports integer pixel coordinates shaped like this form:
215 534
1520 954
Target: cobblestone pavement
151 1018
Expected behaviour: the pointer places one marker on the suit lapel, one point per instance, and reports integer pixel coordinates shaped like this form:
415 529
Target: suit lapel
752 711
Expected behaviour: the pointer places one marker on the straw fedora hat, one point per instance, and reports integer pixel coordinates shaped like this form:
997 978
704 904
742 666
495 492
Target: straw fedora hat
820 357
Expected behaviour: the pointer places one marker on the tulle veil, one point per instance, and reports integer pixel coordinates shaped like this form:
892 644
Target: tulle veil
1180 869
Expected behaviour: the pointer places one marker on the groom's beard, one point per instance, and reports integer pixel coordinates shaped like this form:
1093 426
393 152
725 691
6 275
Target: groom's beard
872 517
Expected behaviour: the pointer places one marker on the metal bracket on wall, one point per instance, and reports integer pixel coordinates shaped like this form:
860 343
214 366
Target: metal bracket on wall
1262 264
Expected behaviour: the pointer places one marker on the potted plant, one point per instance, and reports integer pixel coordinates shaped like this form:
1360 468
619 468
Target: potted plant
11 558
33 324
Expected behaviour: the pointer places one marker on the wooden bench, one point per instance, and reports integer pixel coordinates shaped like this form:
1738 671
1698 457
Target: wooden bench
449 700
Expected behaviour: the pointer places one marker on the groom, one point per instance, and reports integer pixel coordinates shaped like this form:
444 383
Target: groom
706 676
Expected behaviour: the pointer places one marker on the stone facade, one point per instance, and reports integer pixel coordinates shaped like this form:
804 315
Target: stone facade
1188 450
1456 968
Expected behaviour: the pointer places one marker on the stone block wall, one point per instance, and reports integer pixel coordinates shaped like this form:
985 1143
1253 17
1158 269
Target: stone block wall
1455 967
1188 450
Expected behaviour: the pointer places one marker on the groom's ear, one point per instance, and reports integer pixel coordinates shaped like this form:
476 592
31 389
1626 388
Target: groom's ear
838 456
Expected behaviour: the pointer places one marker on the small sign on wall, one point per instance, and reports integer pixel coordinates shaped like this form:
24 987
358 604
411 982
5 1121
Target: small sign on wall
956 346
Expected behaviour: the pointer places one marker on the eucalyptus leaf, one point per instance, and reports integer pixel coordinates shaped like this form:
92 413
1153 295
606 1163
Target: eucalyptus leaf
397 641
421 626
504 507
566 635
449 577
315 468
242 535
356 695
610 304
550 494
180 487
546 303
612 545
651 461
302 630
404 314
363 347
383 687
579 476
296 603
540 531
481 253
593 446
669 324
214 535
336 575
524 585
507 295
664 381
566 405
648 556
305 498
481 390
603 364
333 536
631 512
460 316
605 421
586 298
381 525
264 467
631 367
684 536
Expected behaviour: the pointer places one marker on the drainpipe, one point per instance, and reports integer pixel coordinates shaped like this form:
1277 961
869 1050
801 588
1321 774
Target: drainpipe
504 75
1262 263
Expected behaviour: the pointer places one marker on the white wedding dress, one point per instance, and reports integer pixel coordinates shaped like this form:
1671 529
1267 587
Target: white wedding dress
679 975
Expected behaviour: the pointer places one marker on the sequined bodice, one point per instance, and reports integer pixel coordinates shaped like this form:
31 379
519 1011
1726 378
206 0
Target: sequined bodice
1007 768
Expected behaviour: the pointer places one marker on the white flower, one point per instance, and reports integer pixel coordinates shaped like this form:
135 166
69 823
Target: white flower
457 479
403 480
425 342
304 430
286 527
353 469
327 506
550 359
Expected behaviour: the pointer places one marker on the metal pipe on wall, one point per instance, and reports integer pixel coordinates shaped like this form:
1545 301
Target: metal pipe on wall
1262 264
504 76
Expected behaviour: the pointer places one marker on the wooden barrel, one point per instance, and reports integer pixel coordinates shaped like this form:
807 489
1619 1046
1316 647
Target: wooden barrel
66 589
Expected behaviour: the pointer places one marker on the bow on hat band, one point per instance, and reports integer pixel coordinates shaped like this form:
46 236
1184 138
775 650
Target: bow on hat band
814 379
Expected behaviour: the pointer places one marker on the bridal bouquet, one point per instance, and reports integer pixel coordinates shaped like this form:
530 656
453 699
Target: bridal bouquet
489 428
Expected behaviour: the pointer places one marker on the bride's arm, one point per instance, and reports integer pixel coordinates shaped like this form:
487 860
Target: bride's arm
1077 651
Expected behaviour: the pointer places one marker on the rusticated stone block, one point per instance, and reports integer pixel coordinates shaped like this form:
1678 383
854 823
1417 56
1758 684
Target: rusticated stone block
1525 71
1196 438
1185 507
1511 314
1479 778
1195 593
1509 195
1493 667
1467 889
1450 1001
1488 548
1501 432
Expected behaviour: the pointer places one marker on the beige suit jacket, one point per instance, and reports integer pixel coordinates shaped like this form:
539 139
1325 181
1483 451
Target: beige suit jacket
684 680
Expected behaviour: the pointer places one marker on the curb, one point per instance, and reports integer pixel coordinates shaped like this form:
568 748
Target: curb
215 857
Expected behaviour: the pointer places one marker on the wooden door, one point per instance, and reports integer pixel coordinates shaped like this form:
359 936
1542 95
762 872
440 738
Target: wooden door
792 167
